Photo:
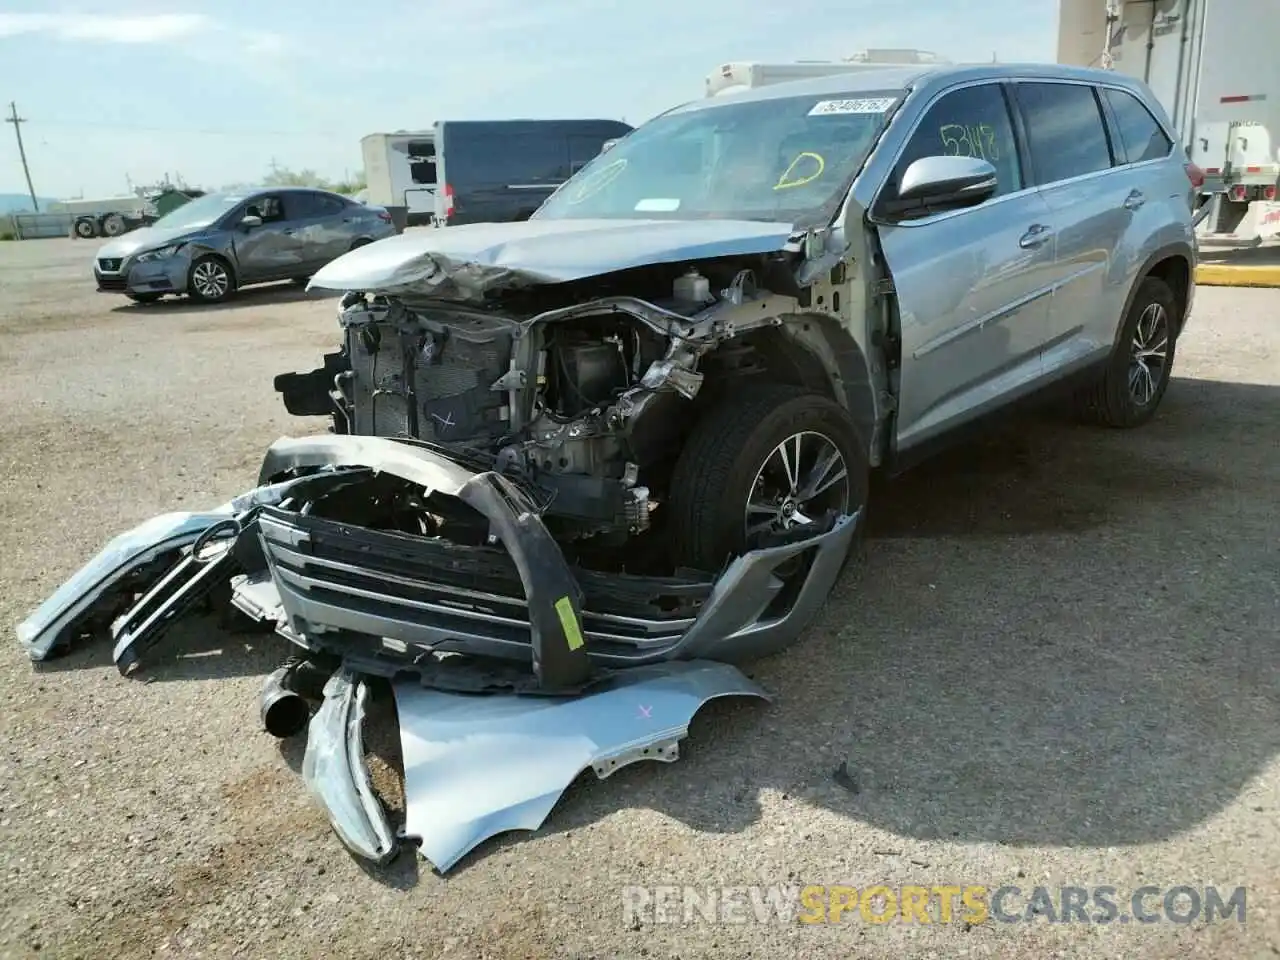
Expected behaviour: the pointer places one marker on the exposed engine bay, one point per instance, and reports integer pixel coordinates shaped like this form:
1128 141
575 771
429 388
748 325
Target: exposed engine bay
588 403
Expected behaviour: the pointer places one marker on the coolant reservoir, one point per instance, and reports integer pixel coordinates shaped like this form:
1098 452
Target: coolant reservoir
693 287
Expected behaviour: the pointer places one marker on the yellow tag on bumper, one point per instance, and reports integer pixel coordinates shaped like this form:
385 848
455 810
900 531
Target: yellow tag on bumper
572 633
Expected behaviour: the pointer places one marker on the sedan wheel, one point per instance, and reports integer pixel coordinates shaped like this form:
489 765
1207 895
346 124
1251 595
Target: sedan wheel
211 280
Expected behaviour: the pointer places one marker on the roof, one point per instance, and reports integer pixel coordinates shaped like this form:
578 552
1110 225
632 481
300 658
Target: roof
895 77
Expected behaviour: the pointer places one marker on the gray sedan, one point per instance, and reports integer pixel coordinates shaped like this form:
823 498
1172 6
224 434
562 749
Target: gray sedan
217 243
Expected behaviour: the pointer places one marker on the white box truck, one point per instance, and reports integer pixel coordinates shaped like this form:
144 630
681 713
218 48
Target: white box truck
1213 65
746 75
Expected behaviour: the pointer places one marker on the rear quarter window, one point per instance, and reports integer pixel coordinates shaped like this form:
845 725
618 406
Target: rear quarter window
1141 137
1065 130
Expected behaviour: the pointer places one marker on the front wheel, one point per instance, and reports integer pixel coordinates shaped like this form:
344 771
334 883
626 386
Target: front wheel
761 463
1138 371
210 280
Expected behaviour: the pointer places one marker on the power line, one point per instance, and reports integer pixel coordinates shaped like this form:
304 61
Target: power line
17 122
141 128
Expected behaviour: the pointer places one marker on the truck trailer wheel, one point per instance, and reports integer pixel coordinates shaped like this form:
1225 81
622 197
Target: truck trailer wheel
85 228
113 225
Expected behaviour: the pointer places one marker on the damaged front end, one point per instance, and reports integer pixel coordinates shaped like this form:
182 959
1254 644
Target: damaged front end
484 527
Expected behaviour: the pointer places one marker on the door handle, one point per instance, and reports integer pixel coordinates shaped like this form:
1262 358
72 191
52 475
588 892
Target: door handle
1036 235
1134 200
288 232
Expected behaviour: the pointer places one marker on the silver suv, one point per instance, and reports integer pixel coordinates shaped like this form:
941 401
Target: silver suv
639 426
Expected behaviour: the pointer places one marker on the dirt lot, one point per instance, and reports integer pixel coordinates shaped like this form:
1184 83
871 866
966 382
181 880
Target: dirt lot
1059 665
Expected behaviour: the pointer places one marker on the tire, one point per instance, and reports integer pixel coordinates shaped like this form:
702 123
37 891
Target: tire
113 225
144 297
735 444
85 228
1131 387
359 242
210 280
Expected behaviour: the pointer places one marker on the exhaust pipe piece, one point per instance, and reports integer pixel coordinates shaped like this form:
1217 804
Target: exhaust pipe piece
287 695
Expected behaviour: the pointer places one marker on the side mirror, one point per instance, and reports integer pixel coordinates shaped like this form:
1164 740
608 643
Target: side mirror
936 184
250 221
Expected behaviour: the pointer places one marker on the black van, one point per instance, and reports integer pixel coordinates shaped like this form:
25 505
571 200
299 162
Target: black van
501 170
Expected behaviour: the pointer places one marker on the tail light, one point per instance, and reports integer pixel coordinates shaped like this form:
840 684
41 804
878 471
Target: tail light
1269 193
1239 193
384 216
1194 174
448 201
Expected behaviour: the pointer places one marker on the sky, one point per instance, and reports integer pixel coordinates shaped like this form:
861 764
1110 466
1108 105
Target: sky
132 90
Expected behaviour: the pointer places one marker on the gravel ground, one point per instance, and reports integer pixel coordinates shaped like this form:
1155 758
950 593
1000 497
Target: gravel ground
1059 665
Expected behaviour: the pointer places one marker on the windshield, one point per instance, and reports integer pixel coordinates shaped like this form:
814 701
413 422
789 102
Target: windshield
787 160
200 211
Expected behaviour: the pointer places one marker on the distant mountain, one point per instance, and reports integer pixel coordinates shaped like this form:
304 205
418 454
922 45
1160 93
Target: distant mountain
20 203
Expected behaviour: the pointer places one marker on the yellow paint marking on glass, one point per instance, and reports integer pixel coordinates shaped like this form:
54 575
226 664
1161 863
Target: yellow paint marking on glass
593 183
572 633
785 182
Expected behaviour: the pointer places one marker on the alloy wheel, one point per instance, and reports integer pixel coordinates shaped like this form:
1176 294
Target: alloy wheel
210 279
1149 354
801 479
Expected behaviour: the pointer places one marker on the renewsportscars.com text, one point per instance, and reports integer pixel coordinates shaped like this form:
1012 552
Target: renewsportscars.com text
969 904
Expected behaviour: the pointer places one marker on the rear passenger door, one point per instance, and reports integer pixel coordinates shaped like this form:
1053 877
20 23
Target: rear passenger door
317 226
972 285
1071 162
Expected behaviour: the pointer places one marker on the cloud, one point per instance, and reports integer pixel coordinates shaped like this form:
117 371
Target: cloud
148 28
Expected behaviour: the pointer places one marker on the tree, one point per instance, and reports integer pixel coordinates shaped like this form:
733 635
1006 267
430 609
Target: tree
284 177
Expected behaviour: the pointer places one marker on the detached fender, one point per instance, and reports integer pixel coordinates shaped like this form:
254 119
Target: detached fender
478 766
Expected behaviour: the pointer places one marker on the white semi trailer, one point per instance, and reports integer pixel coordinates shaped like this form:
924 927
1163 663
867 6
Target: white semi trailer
1213 65
748 74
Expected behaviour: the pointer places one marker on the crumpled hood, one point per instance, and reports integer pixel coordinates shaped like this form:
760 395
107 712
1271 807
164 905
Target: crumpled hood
475 257
146 238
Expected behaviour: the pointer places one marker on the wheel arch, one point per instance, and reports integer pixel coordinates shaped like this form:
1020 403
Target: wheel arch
814 351
1173 265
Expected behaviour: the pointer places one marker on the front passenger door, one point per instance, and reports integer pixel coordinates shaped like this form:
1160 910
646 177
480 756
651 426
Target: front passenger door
269 251
972 285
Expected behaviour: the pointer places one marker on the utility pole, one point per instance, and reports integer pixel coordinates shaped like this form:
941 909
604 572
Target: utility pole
17 121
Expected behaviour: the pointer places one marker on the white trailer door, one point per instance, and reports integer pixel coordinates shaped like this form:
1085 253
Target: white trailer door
1237 125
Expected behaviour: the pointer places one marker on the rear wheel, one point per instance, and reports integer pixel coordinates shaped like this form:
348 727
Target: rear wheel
85 228
113 225
1138 371
767 462
210 280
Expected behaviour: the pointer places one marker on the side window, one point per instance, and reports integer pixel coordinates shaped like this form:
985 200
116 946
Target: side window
269 208
970 122
327 206
1141 137
301 205
1065 130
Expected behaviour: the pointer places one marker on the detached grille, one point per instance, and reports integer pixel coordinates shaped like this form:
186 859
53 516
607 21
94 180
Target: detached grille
110 264
475 590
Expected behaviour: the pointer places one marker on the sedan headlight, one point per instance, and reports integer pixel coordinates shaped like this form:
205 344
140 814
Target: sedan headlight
164 253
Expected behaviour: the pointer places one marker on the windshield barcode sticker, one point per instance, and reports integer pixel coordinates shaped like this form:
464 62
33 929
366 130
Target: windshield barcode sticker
867 105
